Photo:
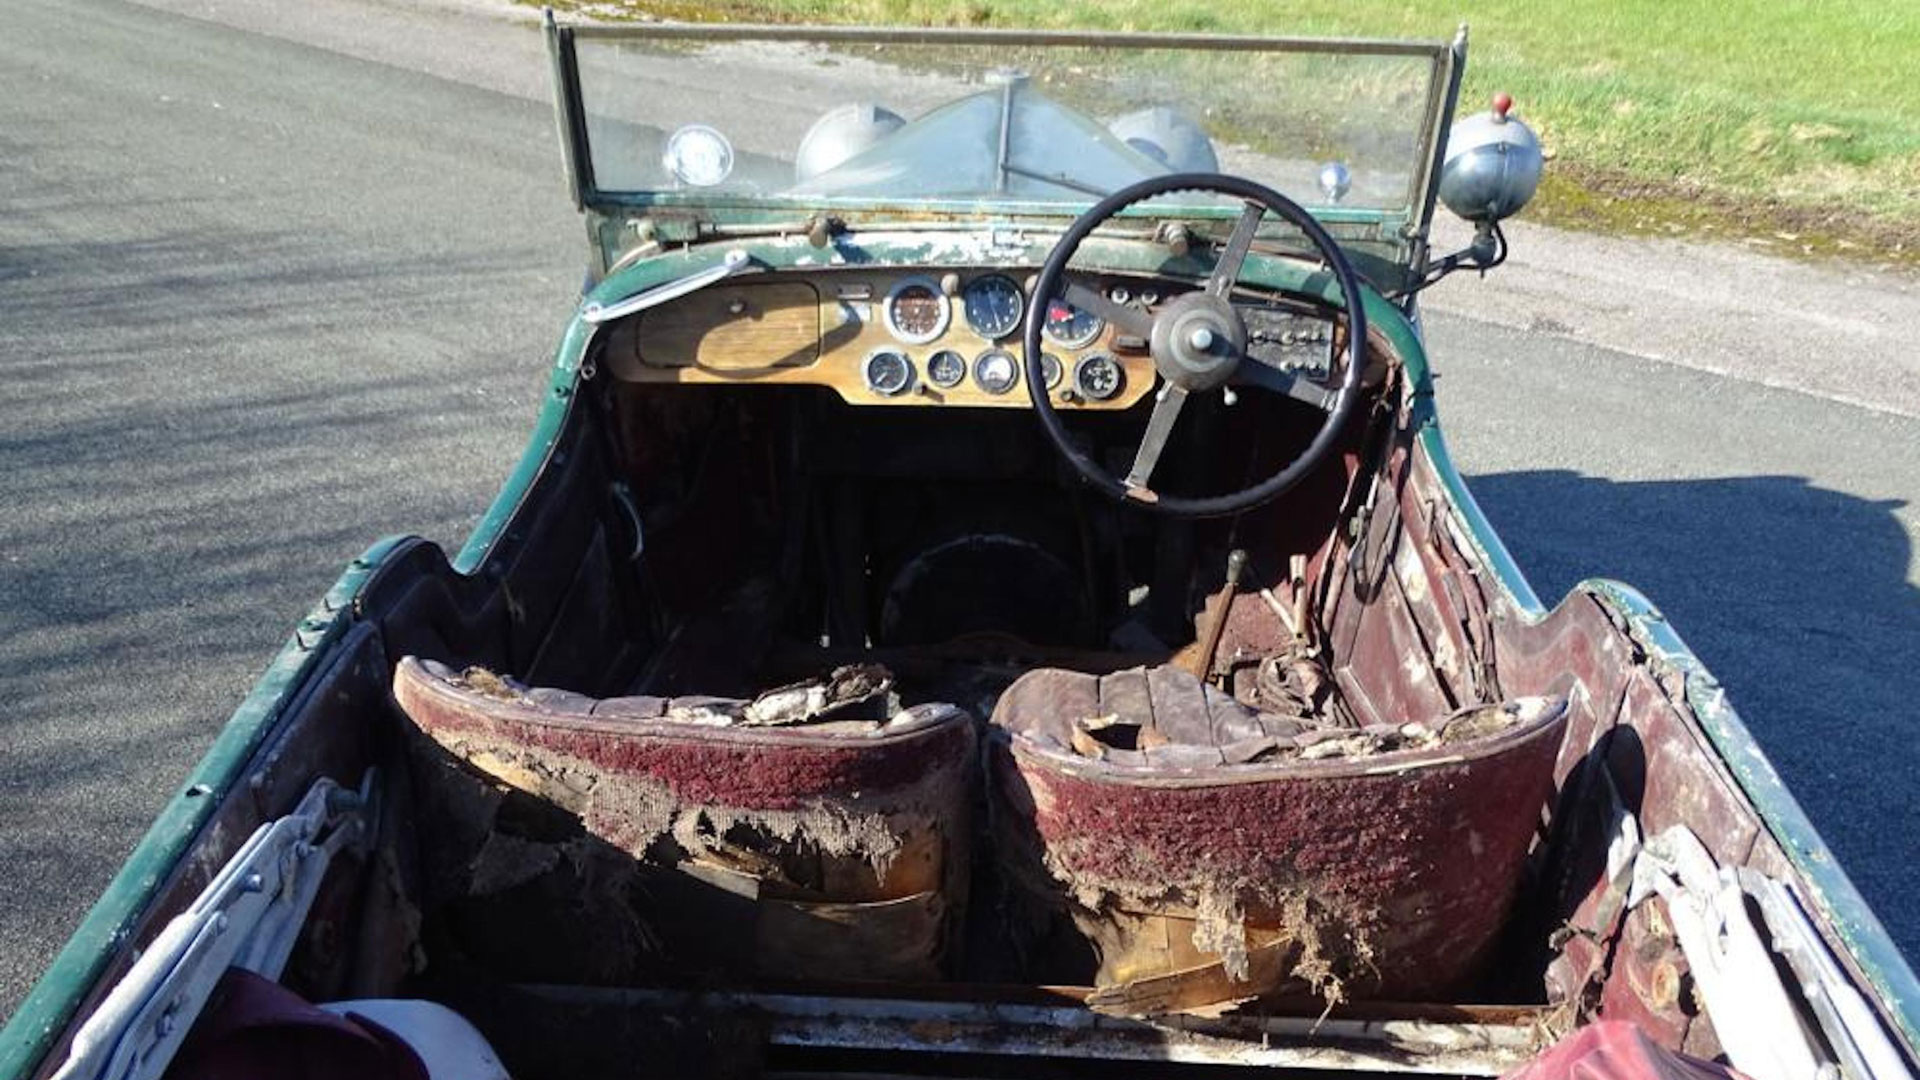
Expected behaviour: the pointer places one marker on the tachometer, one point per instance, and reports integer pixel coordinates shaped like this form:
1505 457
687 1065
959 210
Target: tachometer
993 305
1068 325
916 310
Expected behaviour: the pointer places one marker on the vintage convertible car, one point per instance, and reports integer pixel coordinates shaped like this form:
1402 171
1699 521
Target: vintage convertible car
986 595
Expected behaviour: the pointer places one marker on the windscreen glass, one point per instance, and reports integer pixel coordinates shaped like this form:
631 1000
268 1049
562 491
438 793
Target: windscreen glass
849 124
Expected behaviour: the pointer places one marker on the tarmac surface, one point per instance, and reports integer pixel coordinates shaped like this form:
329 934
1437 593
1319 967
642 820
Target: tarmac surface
277 279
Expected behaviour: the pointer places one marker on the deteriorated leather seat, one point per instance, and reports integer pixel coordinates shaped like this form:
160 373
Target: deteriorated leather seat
1211 854
817 830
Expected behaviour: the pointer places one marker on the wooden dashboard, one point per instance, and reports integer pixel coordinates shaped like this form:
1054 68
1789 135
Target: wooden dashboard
830 328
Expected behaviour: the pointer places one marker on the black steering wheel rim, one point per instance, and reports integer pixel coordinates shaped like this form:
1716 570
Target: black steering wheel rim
1346 399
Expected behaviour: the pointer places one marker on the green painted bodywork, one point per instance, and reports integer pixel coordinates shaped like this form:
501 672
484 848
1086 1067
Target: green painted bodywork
51 1004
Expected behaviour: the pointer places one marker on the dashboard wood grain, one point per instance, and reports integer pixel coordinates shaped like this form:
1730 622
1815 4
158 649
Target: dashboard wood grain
819 331
746 328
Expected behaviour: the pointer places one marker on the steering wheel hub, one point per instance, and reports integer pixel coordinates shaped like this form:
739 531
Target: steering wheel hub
1198 342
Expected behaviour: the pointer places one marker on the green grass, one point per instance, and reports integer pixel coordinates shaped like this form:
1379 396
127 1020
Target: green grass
1790 123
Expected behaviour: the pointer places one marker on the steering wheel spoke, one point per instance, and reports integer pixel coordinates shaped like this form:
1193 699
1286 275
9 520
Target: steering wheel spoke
1226 269
1166 410
1128 320
1293 384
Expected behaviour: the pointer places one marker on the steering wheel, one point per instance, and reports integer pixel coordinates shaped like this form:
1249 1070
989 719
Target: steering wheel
1198 342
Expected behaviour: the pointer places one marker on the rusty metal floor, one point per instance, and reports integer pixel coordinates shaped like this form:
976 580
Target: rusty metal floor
871 1037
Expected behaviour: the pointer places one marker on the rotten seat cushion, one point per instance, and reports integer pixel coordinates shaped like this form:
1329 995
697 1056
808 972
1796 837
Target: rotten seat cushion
1200 877
816 831
1163 720
1159 717
854 699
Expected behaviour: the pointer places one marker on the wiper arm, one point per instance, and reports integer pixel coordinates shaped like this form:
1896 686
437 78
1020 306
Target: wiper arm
1061 179
732 263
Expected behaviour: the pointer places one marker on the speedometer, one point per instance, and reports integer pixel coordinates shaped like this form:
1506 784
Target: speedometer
916 311
1070 326
993 305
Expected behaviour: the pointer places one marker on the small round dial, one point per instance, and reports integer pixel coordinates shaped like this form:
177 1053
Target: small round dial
993 305
1068 325
996 371
916 311
698 156
887 372
946 368
1098 377
1051 370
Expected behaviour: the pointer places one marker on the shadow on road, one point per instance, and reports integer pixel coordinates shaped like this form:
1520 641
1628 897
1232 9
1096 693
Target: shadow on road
1798 599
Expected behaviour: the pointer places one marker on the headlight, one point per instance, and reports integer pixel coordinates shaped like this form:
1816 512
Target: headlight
698 155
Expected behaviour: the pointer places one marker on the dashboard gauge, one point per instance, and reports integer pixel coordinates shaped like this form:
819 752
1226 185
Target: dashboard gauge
916 311
1068 325
1149 297
996 371
946 368
698 156
1098 377
1119 294
887 372
993 305
1050 370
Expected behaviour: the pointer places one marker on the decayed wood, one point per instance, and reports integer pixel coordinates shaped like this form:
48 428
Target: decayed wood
1171 976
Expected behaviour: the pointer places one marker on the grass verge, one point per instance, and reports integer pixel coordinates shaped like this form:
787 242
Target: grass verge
1793 125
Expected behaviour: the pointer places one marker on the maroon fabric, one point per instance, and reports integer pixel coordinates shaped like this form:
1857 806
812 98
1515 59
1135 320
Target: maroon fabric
1613 1050
256 1029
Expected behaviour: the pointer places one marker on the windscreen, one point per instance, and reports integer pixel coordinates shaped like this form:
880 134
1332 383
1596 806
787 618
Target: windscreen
843 124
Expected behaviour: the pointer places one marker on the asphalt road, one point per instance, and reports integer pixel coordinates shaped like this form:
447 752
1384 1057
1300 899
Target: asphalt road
275 284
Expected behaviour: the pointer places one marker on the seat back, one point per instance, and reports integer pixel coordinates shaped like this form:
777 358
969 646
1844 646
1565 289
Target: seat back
1210 854
816 831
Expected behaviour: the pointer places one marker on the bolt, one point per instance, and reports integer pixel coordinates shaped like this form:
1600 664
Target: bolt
1201 339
